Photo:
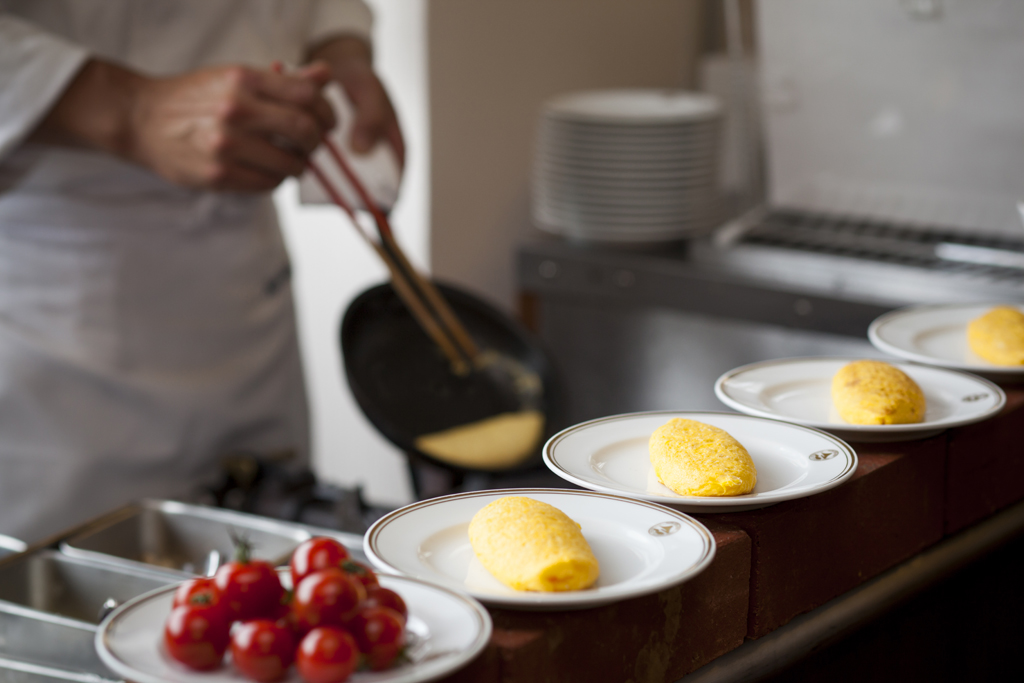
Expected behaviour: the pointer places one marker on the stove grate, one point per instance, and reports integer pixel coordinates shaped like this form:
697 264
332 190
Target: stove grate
939 249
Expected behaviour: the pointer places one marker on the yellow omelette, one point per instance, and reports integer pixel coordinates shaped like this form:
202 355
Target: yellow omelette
493 443
532 546
697 459
871 392
998 336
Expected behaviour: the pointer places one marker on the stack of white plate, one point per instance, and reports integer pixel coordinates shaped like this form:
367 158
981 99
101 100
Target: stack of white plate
627 165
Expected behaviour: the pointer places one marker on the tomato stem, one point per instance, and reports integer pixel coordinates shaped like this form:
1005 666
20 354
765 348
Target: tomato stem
243 547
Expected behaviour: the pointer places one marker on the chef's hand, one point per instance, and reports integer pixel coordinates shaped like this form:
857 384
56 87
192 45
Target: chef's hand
223 128
351 63
231 128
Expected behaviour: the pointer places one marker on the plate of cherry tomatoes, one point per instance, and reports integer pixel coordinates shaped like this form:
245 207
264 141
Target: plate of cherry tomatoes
325 619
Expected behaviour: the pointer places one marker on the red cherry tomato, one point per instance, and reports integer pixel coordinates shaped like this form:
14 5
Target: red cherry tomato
316 554
262 650
327 655
290 621
251 590
197 635
379 633
197 592
329 597
360 571
378 596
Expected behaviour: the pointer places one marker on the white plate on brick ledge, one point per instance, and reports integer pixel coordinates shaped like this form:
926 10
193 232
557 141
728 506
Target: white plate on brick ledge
800 390
446 630
611 454
937 335
641 548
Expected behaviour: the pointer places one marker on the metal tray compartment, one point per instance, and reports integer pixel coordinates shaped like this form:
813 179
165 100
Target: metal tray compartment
14 671
186 539
10 546
76 588
47 639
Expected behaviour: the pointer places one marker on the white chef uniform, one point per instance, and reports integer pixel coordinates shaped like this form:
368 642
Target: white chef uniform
145 329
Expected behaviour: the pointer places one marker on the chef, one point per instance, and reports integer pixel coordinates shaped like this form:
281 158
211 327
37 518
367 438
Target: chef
146 317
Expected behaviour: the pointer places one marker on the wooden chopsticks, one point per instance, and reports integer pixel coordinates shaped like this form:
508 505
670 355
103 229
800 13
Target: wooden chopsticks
426 304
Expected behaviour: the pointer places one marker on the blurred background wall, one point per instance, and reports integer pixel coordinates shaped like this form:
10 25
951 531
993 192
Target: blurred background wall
491 66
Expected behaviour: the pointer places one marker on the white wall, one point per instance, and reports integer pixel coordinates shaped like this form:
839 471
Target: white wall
492 65
332 266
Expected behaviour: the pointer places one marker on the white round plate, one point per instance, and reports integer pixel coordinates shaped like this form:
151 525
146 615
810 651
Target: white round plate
622 237
571 198
937 335
601 175
623 234
657 152
599 149
611 454
581 214
567 150
633 106
674 199
618 137
800 390
633 190
627 130
635 220
445 630
626 187
641 548
580 164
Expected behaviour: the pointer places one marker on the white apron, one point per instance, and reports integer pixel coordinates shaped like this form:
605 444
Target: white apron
145 330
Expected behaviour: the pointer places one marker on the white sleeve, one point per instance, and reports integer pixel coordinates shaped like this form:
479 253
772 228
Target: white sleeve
335 17
35 68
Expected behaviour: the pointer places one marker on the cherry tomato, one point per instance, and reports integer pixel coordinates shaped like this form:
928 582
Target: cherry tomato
379 633
251 590
197 592
262 650
316 554
329 597
197 635
289 620
378 596
360 571
327 655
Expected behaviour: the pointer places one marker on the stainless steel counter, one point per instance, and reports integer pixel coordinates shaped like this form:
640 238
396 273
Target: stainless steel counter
652 328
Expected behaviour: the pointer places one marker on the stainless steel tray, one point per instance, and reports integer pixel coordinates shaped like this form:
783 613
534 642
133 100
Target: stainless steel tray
180 538
32 636
10 546
15 671
49 607
76 588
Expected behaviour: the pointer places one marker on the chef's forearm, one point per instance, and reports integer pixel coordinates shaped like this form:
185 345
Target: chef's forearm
229 127
95 111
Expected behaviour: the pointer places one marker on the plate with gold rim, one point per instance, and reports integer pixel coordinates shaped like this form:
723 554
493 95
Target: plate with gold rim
641 548
799 390
611 454
937 335
445 631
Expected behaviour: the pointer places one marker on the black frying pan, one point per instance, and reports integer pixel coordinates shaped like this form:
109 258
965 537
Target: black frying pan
405 385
